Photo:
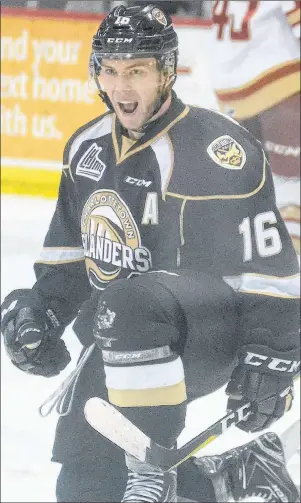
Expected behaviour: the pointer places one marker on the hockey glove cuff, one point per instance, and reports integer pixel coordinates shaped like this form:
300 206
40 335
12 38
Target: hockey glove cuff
263 377
31 332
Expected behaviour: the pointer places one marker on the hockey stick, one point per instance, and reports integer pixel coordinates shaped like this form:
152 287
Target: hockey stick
108 421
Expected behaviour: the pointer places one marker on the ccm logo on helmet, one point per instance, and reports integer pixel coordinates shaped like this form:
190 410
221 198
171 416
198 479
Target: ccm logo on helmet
119 40
272 363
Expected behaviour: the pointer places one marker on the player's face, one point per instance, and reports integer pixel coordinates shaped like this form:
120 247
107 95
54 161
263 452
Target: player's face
133 87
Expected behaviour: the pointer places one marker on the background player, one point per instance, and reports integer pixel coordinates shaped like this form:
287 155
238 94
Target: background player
255 69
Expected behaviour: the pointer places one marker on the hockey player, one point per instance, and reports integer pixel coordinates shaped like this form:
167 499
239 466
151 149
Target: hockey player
255 69
168 248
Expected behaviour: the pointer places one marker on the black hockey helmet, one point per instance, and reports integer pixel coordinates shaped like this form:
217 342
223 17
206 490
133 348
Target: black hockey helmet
135 32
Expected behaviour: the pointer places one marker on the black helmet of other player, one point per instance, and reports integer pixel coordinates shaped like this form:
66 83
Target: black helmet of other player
136 32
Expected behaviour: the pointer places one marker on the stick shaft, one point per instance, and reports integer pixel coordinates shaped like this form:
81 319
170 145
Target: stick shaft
169 459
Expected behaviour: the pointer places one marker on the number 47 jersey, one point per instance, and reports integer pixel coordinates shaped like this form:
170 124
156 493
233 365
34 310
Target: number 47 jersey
255 54
194 193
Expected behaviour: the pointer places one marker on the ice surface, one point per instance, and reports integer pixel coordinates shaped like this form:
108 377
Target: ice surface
27 473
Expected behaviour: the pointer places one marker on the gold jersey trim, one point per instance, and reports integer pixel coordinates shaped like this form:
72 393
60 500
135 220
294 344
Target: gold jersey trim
127 143
294 17
59 262
265 77
120 158
152 397
224 196
257 96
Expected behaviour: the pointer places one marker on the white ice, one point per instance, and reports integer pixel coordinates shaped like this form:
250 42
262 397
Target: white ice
27 473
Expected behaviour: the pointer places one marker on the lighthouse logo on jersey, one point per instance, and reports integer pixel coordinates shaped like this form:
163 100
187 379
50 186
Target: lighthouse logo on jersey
227 152
111 240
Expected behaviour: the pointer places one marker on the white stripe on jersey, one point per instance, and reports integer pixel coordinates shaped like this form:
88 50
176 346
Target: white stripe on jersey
60 255
164 153
288 286
101 128
140 377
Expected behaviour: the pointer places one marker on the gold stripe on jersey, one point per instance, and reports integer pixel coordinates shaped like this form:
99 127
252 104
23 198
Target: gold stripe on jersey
58 262
286 287
152 397
296 243
288 402
291 213
61 255
291 217
262 93
146 385
120 158
294 17
266 98
224 196
127 143
267 76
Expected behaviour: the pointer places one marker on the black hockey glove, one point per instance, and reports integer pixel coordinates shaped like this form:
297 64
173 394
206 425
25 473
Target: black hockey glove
258 470
255 471
31 333
263 377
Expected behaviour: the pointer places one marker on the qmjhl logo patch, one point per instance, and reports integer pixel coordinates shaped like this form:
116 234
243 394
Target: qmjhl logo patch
90 165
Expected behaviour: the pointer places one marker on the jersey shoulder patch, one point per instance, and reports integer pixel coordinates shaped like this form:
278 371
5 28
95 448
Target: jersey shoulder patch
224 160
227 152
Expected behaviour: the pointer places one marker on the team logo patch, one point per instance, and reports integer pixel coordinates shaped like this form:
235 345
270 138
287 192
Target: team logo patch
104 320
90 165
159 16
111 240
227 152
104 317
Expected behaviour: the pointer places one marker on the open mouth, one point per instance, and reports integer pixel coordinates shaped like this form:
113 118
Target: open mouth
128 107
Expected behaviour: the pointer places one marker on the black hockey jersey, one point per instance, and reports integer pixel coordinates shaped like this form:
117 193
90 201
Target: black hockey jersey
195 192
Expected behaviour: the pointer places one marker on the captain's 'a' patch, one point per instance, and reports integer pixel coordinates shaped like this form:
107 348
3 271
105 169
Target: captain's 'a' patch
90 165
227 152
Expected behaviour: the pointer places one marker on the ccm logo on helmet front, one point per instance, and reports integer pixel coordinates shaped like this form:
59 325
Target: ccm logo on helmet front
119 40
